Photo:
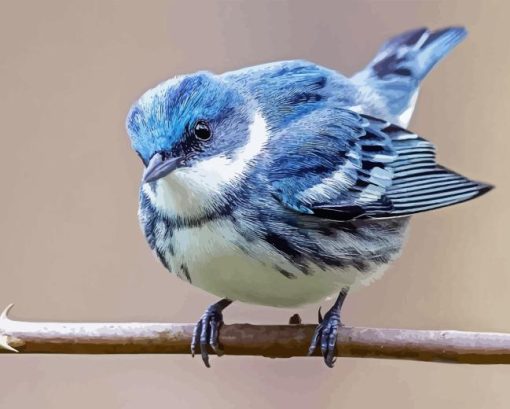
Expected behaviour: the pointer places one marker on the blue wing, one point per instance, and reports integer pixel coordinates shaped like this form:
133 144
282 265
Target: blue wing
337 164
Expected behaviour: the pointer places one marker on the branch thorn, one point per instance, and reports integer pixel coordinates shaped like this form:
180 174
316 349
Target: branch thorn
3 315
4 339
4 344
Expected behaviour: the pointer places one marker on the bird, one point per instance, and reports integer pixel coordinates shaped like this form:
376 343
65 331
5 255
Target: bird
285 183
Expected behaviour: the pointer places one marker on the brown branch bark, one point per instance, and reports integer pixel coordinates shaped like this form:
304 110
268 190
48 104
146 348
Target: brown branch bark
275 341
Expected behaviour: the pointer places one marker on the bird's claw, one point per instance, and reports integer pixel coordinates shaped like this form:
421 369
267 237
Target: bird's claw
326 332
206 333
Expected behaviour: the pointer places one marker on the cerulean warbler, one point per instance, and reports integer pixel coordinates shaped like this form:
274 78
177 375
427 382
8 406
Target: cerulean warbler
283 183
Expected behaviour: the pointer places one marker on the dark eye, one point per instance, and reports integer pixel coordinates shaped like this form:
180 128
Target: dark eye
202 131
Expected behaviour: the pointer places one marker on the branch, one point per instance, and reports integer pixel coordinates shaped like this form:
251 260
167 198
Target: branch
275 341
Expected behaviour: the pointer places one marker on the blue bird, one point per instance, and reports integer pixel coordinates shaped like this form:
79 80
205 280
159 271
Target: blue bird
284 183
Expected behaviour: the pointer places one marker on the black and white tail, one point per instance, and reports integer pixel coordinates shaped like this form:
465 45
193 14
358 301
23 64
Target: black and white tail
402 62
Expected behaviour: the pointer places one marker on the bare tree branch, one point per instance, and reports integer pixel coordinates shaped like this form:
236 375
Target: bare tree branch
275 341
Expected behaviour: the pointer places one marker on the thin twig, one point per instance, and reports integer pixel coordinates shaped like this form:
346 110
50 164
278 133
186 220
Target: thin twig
275 341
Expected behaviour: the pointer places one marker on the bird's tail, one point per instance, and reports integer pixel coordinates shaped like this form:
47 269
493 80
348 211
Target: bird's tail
403 61
414 53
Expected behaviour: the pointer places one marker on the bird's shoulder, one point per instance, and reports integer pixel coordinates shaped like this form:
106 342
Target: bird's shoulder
309 152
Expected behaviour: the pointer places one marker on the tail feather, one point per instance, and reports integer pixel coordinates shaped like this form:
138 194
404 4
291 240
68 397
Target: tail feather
401 63
414 53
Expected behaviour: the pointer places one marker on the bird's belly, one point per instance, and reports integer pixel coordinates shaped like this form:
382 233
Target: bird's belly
218 259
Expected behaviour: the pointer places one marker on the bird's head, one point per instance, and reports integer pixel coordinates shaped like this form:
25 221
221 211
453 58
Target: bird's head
195 134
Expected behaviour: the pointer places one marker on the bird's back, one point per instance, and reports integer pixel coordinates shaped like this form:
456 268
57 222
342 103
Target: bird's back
286 90
387 87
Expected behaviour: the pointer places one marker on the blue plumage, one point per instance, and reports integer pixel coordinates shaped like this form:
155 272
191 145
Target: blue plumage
356 167
283 183
414 53
403 61
159 121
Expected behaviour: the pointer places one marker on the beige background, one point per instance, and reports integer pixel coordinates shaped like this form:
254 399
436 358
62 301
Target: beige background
71 249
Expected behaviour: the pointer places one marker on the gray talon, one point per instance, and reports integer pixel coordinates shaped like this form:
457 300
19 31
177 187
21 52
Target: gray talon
206 332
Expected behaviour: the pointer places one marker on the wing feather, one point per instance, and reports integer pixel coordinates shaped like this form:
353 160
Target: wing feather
380 171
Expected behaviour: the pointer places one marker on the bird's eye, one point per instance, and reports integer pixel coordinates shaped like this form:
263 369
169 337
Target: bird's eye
202 131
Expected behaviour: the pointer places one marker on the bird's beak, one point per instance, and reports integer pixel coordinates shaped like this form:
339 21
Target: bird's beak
159 167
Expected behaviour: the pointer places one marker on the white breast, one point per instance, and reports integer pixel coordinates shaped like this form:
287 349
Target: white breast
222 262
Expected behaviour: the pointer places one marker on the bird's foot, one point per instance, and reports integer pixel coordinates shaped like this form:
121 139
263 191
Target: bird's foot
206 332
326 333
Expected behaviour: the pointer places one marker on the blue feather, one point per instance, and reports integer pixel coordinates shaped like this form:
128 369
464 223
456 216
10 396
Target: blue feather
354 167
403 62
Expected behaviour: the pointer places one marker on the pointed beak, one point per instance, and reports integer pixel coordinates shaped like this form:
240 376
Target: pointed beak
159 167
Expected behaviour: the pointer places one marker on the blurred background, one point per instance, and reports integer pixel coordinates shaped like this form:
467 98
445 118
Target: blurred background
70 245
